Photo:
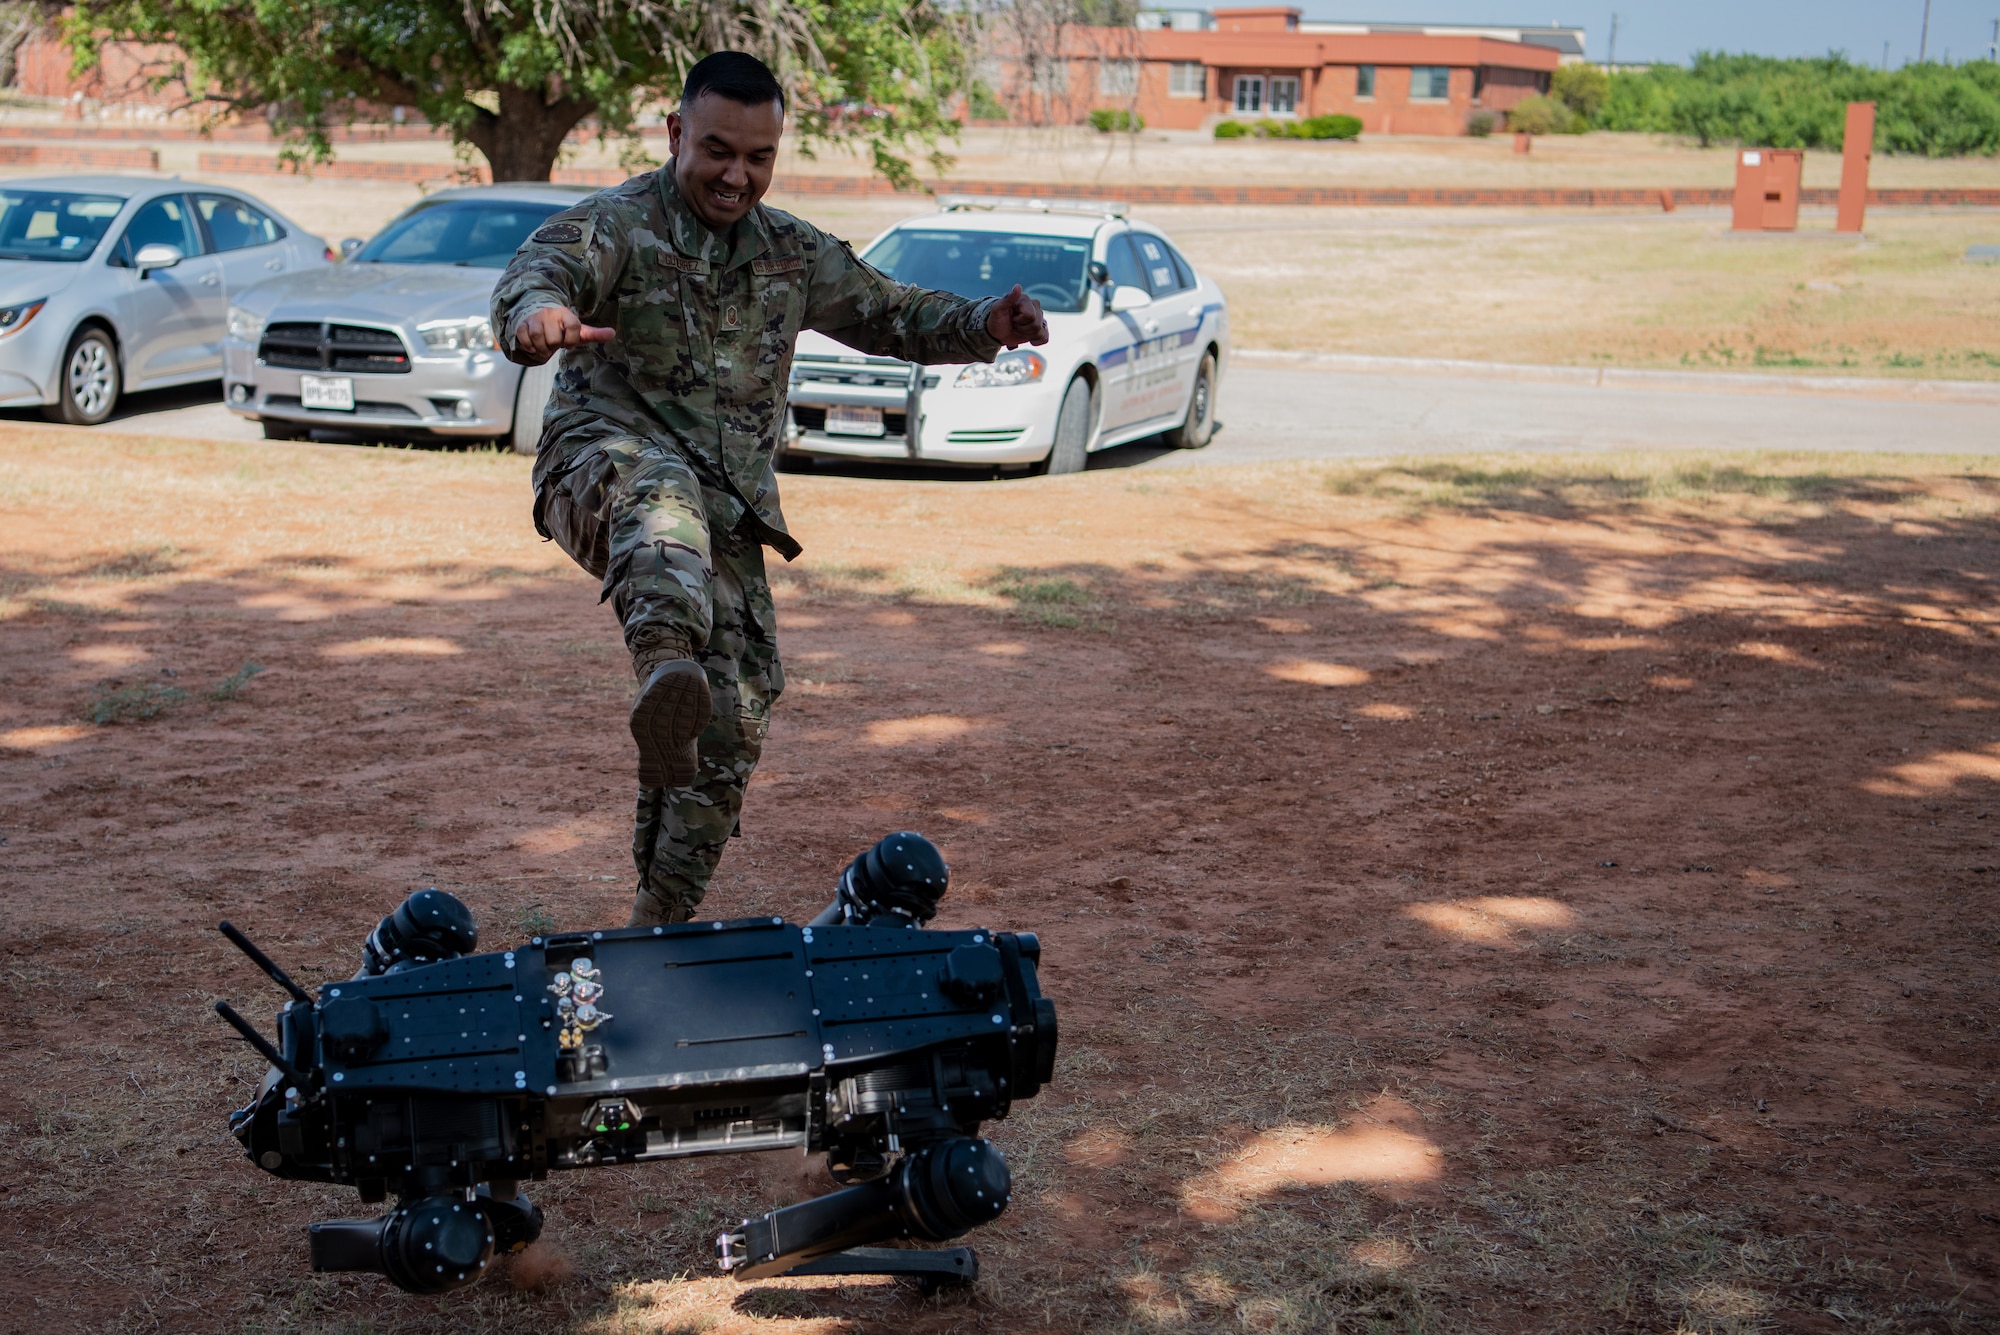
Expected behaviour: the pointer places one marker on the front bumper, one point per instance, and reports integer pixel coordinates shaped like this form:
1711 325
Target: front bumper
426 398
925 416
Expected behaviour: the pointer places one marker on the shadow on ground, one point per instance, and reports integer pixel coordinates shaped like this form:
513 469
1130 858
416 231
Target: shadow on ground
1577 920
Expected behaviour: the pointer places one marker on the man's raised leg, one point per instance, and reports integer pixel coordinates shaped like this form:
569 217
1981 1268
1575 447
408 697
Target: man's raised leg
660 579
680 832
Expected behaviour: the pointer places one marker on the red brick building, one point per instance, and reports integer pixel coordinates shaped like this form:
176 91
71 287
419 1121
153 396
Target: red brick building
1257 63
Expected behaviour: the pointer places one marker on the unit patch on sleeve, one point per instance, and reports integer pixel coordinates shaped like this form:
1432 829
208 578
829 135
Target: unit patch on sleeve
560 234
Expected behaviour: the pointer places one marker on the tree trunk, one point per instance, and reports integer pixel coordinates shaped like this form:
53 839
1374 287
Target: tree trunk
521 143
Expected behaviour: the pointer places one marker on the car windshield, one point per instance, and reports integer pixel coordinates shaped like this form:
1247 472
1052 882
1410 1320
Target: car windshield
53 224
472 233
1051 269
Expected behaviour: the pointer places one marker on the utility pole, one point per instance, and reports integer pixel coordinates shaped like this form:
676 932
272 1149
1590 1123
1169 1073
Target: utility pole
1611 62
1924 42
1993 51
1885 57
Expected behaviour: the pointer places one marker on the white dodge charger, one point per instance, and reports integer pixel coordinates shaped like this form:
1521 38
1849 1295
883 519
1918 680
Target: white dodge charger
1137 345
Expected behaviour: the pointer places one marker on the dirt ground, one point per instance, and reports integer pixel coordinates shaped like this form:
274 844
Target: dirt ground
1482 896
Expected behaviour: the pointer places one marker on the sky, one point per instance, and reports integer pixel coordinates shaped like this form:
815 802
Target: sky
1673 30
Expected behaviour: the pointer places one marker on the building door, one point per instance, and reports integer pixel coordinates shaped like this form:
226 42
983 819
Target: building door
1284 97
1250 92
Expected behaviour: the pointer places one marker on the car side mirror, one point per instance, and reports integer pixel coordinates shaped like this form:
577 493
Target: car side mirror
156 255
350 245
1129 299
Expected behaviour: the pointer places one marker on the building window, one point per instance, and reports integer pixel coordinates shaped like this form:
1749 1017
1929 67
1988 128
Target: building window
1284 97
1049 77
1118 78
1187 78
1364 81
1249 92
1430 83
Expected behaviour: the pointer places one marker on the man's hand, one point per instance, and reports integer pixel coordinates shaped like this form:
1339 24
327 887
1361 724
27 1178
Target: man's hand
1016 319
543 333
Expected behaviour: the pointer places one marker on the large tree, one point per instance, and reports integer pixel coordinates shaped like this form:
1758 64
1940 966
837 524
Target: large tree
512 78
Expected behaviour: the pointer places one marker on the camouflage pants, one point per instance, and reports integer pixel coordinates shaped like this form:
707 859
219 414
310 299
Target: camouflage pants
631 510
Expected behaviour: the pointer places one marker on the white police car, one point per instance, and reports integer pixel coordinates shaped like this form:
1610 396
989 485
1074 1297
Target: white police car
1137 345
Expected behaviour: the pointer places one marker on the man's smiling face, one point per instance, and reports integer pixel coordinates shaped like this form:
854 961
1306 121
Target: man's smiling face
724 153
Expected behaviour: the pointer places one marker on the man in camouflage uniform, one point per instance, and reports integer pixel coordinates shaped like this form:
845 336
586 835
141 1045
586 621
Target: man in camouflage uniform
675 301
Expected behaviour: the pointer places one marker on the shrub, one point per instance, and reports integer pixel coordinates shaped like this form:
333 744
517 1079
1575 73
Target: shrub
980 101
1581 87
1480 124
1539 115
1268 129
1231 130
1109 120
134 702
1934 109
1326 127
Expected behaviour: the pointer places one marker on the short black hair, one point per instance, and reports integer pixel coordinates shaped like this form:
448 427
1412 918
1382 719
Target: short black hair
736 75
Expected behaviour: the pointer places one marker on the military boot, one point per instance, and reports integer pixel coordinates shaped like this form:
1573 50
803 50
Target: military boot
651 908
668 716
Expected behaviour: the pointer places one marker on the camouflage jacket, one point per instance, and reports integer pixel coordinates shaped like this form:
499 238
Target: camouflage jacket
706 327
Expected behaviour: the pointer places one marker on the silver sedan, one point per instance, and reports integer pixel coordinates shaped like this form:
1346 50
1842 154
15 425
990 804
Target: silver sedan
395 340
116 283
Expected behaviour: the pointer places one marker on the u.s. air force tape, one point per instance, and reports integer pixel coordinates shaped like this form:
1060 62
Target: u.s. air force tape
560 234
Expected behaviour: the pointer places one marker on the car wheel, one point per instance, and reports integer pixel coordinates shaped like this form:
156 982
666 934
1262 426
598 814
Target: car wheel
1198 428
530 398
1073 423
276 430
88 389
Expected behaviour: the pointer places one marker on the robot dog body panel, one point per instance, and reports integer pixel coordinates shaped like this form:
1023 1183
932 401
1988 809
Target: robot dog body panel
447 1080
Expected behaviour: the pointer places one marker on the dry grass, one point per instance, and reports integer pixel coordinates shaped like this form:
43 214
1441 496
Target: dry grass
1597 289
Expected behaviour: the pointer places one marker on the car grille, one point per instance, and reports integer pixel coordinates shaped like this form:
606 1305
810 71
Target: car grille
333 347
362 408
814 419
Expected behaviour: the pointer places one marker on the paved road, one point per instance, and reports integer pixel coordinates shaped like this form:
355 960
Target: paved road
1289 412
1281 412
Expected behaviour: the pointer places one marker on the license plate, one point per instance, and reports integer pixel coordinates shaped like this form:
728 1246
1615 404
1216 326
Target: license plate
327 391
844 420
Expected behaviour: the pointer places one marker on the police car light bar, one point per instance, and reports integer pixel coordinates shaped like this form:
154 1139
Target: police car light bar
1109 208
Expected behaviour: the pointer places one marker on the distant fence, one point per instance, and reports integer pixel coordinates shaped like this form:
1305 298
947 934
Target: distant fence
1623 197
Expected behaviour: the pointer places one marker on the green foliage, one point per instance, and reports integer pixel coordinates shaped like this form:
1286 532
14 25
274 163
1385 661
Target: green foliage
1582 87
1326 127
1312 127
1932 109
131 703
232 685
982 104
511 80
1480 124
1543 115
1110 120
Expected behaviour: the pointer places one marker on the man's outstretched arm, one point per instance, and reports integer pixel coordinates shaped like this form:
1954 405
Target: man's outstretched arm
850 300
555 281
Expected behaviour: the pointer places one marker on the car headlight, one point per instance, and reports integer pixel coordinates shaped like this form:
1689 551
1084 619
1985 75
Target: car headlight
15 318
244 325
1009 368
474 335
